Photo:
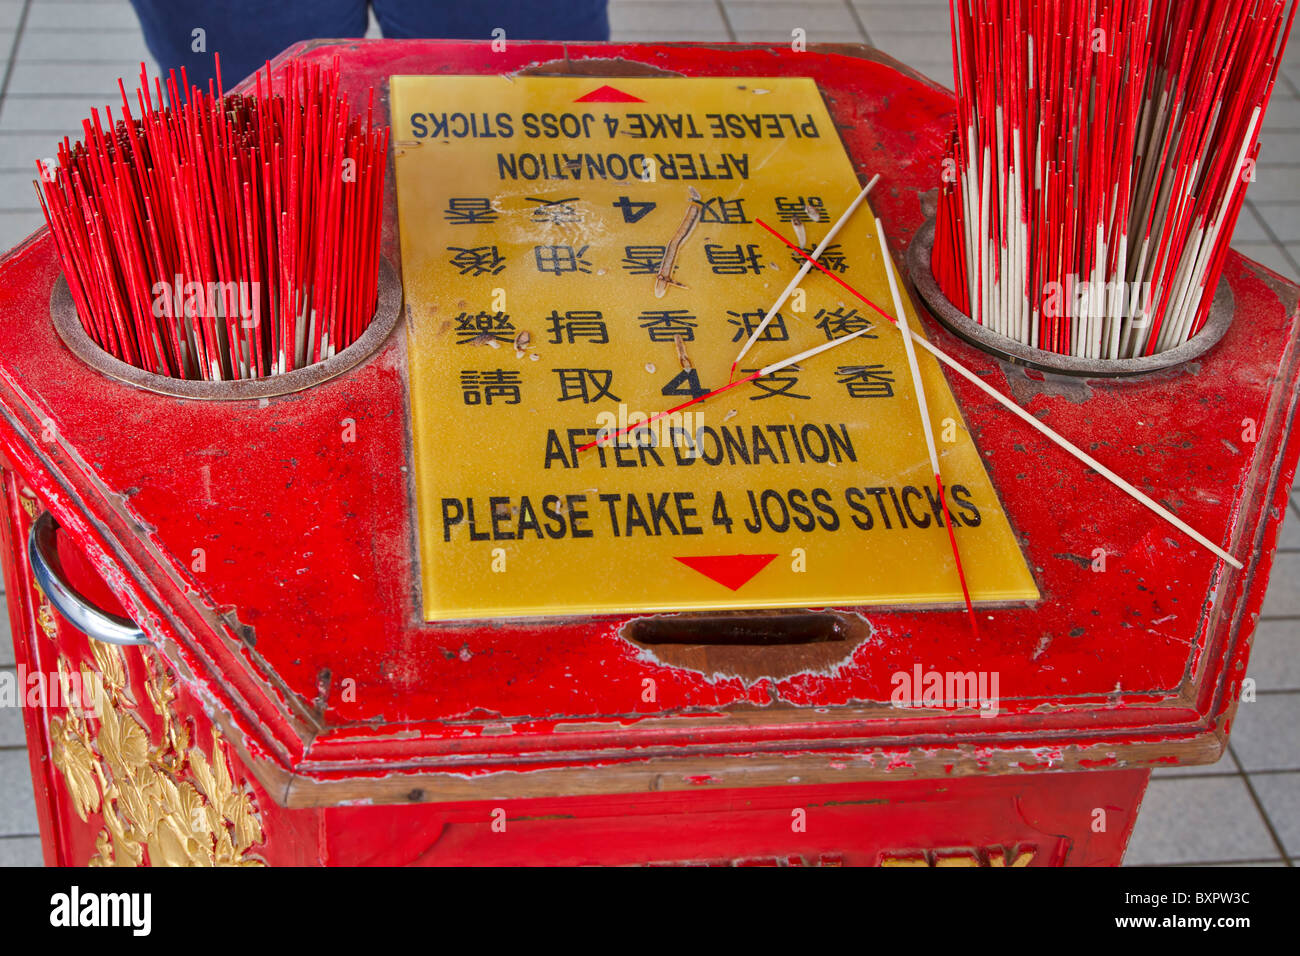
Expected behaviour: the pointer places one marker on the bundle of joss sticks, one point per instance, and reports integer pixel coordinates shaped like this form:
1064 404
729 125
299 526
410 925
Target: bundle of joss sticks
1101 158
222 237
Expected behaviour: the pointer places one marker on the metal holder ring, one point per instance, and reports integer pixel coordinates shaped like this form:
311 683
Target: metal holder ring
75 609
388 309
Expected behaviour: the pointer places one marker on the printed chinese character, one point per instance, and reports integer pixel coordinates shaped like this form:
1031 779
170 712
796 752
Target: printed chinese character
478 261
836 323
832 257
557 212
664 324
480 327
576 324
736 261
467 211
579 382
722 210
788 209
481 387
747 322
777 383
561 259
867 381
643 260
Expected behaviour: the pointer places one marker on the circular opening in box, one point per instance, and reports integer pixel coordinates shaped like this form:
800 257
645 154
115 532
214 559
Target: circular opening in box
960 324
388 307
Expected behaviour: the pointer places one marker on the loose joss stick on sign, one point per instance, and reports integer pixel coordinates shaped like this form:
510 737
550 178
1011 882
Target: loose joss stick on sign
1125 486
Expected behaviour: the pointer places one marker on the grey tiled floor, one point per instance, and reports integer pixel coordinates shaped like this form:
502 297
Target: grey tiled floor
61 57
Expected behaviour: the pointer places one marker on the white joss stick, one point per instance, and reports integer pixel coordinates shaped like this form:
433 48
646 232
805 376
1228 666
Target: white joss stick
808 264
906 329
1078 453
753 376
1029 419
777 366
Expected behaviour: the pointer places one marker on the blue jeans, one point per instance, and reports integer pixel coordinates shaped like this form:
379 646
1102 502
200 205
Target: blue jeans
247 33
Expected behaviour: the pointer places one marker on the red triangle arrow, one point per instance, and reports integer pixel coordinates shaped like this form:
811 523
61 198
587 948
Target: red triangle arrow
730 570
607 94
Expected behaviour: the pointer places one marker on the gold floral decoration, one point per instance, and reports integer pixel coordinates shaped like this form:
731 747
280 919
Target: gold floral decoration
165 798
45 614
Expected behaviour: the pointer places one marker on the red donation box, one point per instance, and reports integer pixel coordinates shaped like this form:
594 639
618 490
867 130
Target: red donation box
403 614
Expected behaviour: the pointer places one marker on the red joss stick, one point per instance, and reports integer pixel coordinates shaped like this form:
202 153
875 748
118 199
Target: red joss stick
222 236
1099 163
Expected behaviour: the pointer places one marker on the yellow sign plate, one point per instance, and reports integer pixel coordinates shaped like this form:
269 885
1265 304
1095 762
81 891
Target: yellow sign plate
536 215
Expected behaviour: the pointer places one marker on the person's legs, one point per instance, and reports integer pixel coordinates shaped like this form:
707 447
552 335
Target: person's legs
246 33
476 19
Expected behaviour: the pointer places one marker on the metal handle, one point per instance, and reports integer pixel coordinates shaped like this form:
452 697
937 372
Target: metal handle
76 610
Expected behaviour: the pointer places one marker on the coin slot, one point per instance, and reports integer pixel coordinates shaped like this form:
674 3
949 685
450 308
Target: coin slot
751 645
767 630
